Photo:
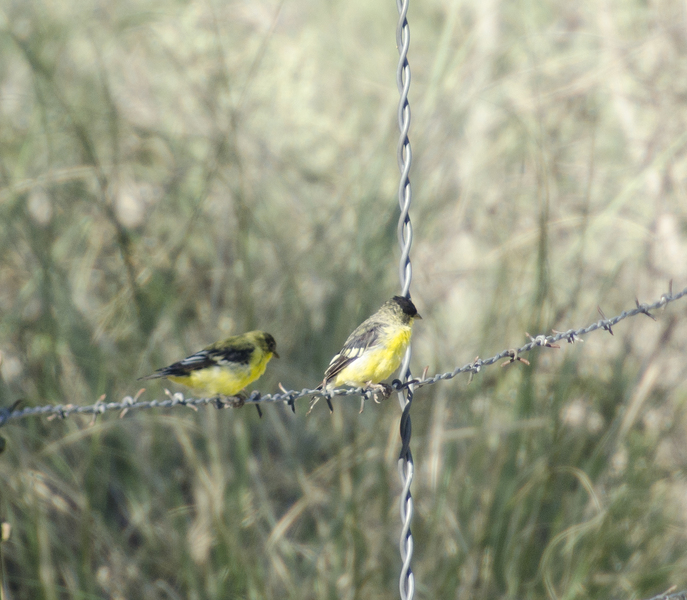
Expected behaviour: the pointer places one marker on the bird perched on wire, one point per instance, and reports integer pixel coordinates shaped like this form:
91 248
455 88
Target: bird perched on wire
374 350
223 368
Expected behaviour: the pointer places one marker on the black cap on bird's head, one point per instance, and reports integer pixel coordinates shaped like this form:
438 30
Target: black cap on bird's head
270 343
406 306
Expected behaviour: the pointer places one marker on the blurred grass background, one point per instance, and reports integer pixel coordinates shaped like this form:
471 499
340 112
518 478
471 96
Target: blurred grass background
171 173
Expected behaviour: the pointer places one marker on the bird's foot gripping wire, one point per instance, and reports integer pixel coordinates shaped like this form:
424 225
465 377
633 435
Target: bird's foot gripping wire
375 390
383 389
236 401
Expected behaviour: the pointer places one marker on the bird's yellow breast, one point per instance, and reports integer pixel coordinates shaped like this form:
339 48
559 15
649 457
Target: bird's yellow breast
379 362
226 380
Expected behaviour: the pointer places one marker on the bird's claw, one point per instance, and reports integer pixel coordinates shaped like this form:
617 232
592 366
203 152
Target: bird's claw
236 401
382 389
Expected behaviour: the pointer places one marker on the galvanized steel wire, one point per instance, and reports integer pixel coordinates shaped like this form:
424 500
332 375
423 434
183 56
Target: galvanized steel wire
289 397
671 596
406 467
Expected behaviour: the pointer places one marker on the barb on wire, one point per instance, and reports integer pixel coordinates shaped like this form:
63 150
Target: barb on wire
12 413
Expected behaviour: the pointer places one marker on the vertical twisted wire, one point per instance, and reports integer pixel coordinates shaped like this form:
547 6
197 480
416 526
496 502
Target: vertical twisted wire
405 240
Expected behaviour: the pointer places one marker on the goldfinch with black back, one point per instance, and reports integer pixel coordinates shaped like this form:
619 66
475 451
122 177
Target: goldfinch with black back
225 367
374 350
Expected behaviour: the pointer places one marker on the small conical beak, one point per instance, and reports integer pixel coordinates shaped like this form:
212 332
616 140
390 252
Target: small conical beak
417 316
274 353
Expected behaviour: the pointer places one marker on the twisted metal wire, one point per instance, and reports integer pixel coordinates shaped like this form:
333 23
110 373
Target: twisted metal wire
674 596
290 397
406 467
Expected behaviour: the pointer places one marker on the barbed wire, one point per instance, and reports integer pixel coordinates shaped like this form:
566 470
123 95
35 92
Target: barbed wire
406 467
289 397
671 596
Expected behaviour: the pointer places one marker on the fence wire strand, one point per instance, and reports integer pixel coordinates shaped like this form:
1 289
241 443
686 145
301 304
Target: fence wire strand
406 468
289 397
671 596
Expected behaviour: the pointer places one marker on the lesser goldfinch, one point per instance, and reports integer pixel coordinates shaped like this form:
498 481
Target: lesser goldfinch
223 368
374 350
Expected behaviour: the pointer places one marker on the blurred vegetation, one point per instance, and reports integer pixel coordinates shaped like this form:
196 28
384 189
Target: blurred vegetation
171 173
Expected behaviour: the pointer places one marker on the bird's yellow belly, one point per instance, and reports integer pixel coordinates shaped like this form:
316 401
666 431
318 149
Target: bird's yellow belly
220 380
376 364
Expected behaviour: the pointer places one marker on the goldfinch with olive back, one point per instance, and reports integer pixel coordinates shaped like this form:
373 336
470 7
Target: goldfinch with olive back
223 368
374 350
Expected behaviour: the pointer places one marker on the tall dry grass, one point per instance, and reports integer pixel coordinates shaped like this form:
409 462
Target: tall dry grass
173 173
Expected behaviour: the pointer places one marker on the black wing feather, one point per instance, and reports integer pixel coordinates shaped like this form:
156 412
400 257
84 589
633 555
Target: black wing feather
365 336
239 356
209 357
